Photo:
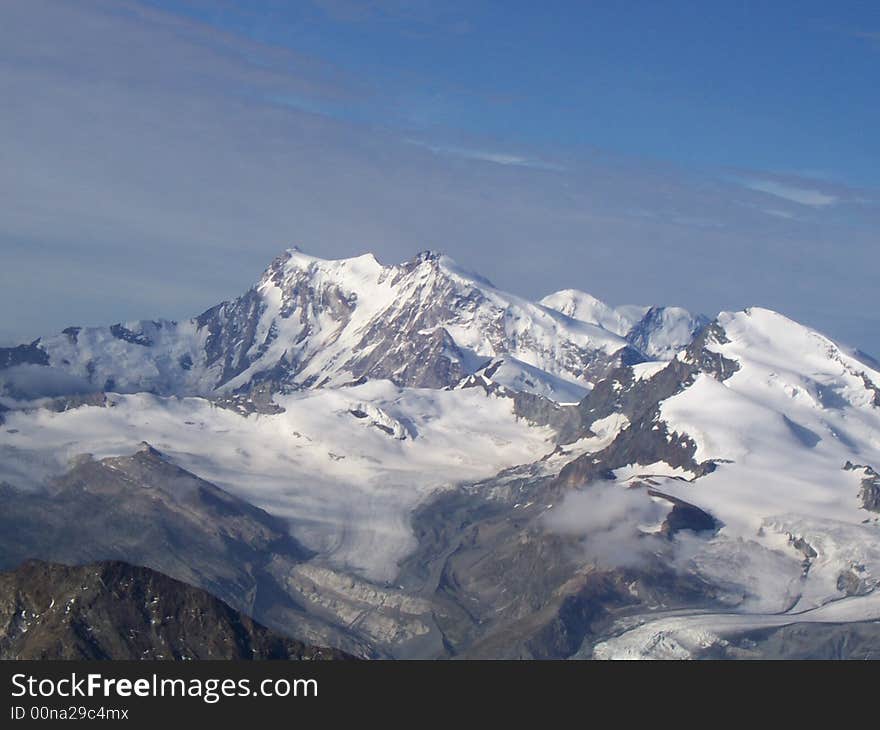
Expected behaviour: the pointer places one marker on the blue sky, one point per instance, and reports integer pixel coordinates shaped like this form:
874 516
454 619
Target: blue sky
786 86
705 154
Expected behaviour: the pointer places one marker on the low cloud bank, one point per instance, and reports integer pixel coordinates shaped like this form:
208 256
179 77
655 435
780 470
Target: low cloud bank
615 523
27 382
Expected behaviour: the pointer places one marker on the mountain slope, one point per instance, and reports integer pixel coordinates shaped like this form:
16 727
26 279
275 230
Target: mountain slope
144 510
342 467
772 429
113 610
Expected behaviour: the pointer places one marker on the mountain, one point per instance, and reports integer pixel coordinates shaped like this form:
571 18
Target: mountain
561 479
113 610
342 467
143 509
656 332
773 429
315 323
706 505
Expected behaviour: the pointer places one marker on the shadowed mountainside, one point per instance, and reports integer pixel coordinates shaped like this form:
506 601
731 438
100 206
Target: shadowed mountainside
113 610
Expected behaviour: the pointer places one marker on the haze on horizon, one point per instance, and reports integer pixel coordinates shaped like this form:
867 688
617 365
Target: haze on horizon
159 153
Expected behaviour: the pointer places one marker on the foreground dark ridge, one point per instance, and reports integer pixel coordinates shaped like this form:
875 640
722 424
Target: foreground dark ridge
113 610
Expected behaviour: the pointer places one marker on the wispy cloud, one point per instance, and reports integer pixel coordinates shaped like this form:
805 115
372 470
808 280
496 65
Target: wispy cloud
437 15
792 193
497 158
780 213
870 35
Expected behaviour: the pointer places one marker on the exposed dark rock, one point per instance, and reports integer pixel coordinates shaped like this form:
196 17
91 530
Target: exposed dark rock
231 330
121 332
565 420
536 409
853 581
707 361
259 401
869 385
643 442
629 356
856 640
869 494
31 354
558 629
113 610
684 516
803 547
431 360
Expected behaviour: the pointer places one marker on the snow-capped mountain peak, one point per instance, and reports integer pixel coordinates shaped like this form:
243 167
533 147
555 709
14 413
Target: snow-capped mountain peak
426 322
657 332
587 308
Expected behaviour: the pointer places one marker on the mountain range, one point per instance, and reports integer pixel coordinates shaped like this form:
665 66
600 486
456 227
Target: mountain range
308 323
405 461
